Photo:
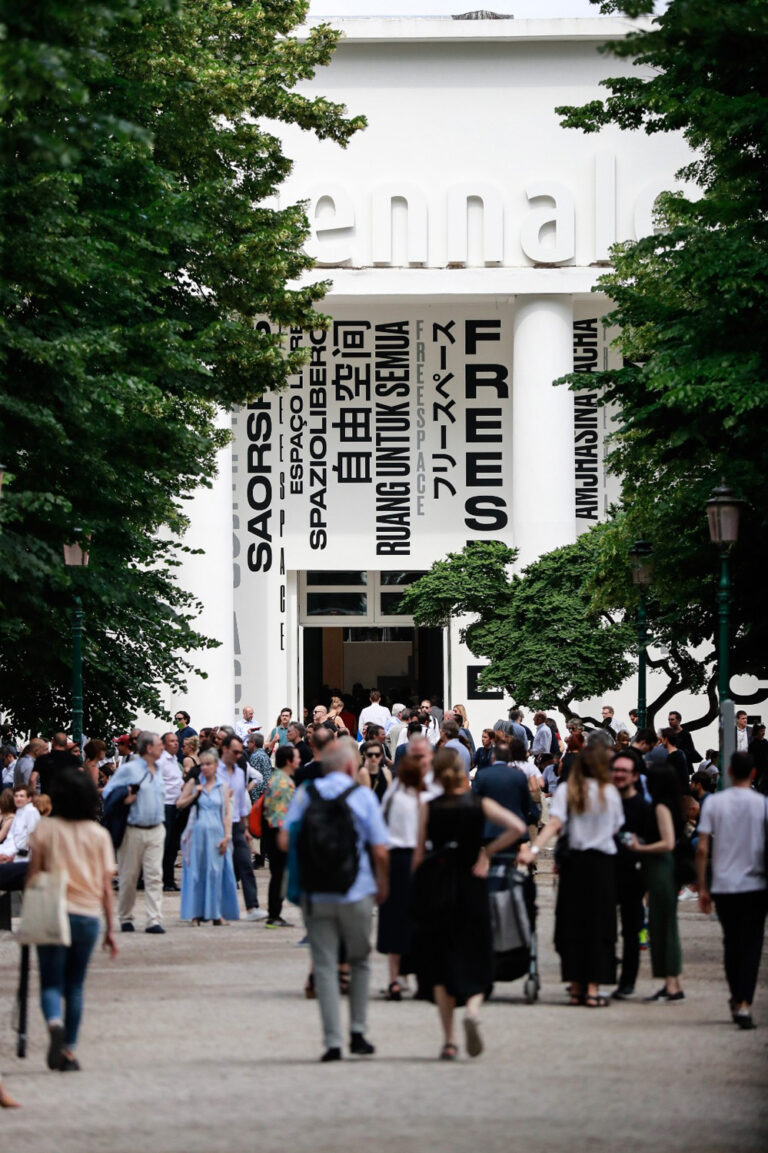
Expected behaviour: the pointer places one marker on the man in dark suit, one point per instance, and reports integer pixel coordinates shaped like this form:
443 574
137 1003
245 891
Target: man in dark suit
506 784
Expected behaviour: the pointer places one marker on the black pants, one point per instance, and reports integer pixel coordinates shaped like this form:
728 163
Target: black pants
277 861
629 890
742 916
241 858
172 839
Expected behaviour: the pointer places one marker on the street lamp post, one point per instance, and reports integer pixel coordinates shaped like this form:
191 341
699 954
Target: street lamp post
642 575
75 556
723 516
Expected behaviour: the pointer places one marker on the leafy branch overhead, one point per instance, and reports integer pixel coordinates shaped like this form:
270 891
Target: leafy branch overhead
690 303
139 246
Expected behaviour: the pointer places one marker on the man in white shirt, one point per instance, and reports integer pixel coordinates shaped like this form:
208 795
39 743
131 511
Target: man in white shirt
743 732
246 726
8 758
610 722
735 821
168 766
397 727
375 712
15 847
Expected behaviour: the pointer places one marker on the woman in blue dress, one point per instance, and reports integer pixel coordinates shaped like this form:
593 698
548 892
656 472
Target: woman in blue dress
208 887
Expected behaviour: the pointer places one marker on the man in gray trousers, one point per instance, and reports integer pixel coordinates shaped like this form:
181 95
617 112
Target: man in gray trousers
333 917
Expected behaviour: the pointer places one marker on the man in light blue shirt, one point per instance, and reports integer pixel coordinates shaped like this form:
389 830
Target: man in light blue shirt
450 731
142 846
335 917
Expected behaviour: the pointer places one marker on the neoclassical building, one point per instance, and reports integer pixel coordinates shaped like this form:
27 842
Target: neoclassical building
462 234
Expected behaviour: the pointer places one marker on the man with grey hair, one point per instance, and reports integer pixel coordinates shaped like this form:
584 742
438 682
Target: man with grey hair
340 916
141 849
395 729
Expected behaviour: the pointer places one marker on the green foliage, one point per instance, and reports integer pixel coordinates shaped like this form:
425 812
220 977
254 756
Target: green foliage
545 643
690 302
137 250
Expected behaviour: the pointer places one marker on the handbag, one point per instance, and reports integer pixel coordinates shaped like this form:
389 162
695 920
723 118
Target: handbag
44 919
255 817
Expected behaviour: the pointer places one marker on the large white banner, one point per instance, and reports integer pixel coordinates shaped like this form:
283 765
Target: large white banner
396 439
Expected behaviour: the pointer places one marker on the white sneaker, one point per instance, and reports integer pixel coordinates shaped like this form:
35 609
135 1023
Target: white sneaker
688 895
255 915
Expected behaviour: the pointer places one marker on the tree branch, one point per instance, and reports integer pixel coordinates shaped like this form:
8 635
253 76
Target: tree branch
713 709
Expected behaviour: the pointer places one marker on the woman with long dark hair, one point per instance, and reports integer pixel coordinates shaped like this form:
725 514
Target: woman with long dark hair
657 856
72 842
450 906
588 813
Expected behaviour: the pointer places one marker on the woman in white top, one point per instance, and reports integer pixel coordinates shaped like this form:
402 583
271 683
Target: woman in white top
588 812
400 809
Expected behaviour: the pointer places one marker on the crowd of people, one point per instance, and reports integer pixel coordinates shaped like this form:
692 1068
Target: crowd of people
355 807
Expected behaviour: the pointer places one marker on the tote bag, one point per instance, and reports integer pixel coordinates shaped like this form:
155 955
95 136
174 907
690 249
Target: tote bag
44 919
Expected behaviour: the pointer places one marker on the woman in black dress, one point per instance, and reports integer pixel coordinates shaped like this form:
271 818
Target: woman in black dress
450 901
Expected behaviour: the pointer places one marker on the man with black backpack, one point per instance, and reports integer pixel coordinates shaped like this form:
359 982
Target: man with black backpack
343 867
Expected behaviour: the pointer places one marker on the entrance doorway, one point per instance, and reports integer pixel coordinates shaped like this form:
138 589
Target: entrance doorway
373 645
403 663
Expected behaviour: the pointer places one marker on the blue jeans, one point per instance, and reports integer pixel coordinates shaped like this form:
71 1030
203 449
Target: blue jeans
62 974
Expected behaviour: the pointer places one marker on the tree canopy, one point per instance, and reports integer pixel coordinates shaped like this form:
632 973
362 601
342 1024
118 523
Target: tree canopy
139 246
690 303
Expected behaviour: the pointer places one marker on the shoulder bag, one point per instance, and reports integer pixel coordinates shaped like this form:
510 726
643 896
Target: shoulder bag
44 919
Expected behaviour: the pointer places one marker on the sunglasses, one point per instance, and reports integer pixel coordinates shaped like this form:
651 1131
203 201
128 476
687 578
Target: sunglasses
376 755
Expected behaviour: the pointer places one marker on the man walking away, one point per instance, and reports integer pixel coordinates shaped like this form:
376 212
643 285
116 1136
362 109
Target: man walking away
344 868
231 775
142 846
735 821
49 765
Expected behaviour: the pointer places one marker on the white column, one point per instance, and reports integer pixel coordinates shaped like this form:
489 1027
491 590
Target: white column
208 577
542 426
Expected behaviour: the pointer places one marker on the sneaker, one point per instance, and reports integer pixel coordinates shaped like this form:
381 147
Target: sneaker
623 992
277 923
331 1055
743 1019
255 915
359 1045
687 895
154 929
127 927
69 1065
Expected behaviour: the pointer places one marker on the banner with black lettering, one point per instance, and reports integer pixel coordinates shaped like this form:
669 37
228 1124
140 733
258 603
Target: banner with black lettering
595 490
395 441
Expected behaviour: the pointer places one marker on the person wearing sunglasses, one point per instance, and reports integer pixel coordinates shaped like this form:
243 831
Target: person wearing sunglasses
374 771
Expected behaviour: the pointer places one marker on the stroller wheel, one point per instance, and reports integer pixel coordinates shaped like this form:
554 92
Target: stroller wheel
531 990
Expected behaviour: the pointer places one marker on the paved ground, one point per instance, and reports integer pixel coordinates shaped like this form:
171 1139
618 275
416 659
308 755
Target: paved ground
201 1041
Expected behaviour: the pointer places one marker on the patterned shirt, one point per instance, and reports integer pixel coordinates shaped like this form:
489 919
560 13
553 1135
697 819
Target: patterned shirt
260 761
278 798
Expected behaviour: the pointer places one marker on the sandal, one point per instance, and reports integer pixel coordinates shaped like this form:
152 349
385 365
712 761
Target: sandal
575 996
449 1052
596 1002
394 992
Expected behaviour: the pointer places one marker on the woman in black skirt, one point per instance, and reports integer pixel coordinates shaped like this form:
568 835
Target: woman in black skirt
400 809
588 812
450 904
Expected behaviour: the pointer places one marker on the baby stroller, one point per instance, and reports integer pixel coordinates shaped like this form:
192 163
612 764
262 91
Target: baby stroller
513 919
